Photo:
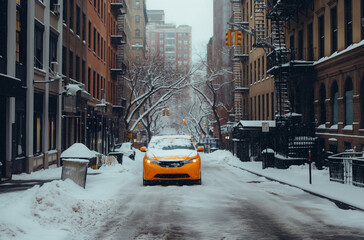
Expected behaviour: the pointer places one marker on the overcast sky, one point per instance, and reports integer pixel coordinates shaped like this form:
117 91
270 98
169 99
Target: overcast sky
196 13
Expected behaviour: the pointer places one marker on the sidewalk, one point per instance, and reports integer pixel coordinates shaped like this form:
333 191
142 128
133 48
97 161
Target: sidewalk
19 185
298 176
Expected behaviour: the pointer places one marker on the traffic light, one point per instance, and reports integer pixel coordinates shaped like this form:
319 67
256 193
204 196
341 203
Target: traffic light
167 112
237 38
228 38
164 112
184 121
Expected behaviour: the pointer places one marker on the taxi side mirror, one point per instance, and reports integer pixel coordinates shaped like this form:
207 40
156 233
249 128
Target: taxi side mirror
200 149
143 149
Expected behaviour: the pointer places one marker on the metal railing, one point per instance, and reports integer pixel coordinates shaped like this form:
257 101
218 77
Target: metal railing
348 168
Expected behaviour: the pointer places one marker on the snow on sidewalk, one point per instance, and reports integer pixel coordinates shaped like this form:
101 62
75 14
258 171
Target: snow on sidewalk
299 176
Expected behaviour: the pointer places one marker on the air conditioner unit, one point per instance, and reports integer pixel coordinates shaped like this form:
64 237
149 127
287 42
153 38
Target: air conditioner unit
56 8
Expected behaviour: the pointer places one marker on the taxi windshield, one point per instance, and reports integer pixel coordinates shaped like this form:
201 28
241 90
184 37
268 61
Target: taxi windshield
171 144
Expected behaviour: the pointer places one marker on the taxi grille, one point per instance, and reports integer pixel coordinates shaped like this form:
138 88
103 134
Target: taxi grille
171 164
172 176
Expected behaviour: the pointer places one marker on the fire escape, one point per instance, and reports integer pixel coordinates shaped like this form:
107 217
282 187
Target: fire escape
240 55
118 39
293 138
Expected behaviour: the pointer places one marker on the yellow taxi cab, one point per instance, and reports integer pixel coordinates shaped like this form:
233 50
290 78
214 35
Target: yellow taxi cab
171 157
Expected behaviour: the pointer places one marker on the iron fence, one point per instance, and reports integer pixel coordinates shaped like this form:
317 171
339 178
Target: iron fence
347 167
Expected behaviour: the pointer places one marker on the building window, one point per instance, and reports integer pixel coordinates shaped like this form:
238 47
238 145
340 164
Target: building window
335 105
255 107
53 39
64 63
78 20
52 117
65 11
255 71
20 127
333 29
78 77
94 40
322 104
310 41
137 19
38 40
94 85
38 123
137 33
89 80
98 86
349 115
70 65
321 36
89 34
98 44
251 74
348 22
83 72
83 27
71 14
137 4
300 45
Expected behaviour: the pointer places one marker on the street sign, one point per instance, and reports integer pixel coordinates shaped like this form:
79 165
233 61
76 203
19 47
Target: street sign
265 127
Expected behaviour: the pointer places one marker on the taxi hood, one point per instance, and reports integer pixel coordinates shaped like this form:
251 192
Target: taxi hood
171 154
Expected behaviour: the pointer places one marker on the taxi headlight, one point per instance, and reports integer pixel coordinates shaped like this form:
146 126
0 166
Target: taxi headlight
151 161
192 160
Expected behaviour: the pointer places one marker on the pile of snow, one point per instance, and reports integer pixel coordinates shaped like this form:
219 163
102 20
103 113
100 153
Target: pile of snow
78 150
62 209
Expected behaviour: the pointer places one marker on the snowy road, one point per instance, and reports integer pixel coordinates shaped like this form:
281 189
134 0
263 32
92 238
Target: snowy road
230 204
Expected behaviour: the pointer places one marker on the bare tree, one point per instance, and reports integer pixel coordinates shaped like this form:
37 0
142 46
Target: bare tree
209 89
150 85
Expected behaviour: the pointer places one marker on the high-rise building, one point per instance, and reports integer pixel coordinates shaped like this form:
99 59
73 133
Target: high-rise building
169 42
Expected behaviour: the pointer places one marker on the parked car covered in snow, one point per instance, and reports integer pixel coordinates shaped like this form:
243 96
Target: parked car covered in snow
123 149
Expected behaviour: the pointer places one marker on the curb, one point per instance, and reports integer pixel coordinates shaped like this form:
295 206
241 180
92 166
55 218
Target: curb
338 203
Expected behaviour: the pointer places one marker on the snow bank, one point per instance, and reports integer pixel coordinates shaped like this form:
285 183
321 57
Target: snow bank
78 150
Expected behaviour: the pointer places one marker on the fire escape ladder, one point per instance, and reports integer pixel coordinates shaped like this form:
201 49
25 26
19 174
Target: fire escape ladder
281 78
259 17
236 66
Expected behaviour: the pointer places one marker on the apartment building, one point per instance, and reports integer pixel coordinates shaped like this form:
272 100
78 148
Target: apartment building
31 49
91 41
135 29
170 42
305 57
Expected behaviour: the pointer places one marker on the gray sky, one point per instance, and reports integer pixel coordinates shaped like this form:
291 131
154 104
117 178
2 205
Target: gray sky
196 13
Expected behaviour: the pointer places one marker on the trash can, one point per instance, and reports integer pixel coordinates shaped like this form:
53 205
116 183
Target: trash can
267 158
76 170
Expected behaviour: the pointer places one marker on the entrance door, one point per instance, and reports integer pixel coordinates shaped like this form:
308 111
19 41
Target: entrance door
2 134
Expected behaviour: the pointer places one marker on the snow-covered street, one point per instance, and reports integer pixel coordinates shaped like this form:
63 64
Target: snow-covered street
230 204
